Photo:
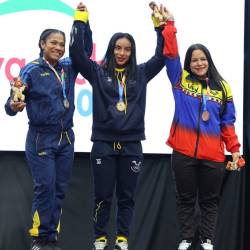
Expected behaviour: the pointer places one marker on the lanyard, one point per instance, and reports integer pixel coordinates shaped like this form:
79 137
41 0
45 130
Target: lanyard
121 88
61 78
205 96
121 79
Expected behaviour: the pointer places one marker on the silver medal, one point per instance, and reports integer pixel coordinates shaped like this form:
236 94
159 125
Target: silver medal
66 103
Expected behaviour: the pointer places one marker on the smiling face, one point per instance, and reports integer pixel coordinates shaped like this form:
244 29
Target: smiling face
199 64
53 47
122 52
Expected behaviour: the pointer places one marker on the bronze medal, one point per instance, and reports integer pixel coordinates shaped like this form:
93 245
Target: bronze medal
121 106
205 115
66 103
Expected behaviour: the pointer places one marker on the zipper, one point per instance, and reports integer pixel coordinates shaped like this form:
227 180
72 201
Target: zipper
61 134
37 137
62 125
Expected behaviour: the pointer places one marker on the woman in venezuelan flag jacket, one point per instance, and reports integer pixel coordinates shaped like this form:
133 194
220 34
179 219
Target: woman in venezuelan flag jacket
203 123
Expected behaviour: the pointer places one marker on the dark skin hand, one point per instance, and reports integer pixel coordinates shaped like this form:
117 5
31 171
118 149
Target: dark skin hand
17 106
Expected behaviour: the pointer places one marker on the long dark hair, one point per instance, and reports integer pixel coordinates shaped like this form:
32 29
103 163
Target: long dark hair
108 61
45 34
213 74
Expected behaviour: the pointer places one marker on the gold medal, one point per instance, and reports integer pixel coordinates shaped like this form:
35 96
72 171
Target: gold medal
121 106
66 103
205 115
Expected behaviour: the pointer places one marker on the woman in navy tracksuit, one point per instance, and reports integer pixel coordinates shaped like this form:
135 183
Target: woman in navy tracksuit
50 138
119 98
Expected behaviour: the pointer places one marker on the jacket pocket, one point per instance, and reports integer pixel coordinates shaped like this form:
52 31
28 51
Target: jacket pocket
38 112
39 143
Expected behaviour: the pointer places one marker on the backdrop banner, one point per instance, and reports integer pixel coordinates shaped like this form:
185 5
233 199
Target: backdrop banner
22 22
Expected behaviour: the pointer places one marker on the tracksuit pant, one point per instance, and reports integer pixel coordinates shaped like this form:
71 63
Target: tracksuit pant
50 158
194 179
115 164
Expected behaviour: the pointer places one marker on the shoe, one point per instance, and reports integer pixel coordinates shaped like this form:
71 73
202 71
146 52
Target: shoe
185 245
207 245
100 243
40 245
121 243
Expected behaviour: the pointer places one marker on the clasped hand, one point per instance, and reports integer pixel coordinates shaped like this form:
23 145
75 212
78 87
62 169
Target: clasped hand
160 15
17 106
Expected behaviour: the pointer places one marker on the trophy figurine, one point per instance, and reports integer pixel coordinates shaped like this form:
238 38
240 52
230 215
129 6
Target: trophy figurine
17 88
236 165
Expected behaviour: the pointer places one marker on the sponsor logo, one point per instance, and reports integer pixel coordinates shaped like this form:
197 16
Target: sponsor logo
136 166
98 161
42 153
45 74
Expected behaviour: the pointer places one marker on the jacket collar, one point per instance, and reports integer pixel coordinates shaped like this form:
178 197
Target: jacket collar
42 62
212 83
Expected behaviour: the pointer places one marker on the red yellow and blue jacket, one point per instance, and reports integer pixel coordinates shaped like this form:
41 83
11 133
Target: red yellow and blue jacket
189 133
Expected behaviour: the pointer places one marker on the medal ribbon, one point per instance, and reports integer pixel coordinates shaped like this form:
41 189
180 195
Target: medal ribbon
205 97
122 86
61 78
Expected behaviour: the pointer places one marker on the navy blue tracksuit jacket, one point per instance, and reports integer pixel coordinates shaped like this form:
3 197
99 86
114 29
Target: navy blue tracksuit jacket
50 139
116 155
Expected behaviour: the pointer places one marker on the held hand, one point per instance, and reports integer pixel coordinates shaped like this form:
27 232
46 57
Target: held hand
81 7
167 15
237 163
17 106
156 16
235 156
81 13
160 14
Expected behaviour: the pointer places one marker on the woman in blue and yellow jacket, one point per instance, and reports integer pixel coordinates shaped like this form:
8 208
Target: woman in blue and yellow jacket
49 146
203 125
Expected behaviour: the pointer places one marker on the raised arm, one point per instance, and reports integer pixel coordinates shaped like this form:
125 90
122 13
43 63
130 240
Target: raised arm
155 64
170 50
81 43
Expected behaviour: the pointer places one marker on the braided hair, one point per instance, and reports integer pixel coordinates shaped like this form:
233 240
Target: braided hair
45 34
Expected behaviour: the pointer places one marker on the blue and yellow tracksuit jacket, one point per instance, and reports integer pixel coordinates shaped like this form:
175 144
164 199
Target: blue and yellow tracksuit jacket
50 140
44 98
189 134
